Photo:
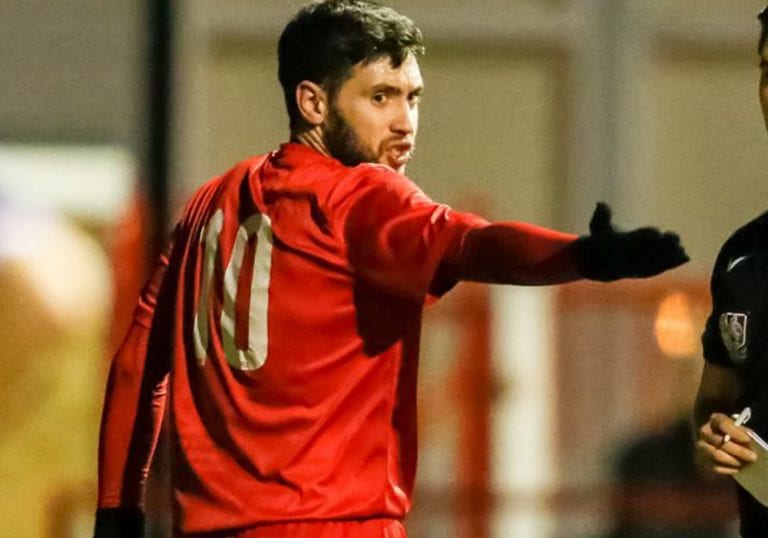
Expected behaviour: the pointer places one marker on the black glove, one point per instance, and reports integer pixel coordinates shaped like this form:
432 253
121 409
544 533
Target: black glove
608 253
119 523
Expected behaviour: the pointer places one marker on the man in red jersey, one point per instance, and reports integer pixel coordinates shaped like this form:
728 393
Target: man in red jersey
281 327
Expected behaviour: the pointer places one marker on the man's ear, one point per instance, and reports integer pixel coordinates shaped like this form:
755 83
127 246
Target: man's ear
312 102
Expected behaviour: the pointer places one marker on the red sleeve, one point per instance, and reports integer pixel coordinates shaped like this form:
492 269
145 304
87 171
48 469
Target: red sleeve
396 236
133 406
515 253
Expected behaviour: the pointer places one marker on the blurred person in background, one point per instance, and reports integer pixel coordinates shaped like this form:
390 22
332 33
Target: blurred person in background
661 492
281 326
735 371
53 291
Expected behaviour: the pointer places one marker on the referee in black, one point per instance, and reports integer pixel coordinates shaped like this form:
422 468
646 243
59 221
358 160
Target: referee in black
735 342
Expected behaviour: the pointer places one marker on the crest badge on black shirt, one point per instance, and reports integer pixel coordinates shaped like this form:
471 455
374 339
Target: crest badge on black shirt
733 331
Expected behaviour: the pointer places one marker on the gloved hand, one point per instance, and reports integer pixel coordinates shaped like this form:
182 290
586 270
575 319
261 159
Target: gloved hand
119 523
608 253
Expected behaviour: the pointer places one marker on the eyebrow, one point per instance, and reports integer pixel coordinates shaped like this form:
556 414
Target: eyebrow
395 90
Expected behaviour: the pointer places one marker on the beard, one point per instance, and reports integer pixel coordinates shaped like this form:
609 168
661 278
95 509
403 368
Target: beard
342 142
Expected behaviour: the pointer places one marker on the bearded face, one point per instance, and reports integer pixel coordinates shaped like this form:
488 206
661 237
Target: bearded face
373 118
342 142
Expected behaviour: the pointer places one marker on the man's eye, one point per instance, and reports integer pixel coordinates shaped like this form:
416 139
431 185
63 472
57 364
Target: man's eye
380 98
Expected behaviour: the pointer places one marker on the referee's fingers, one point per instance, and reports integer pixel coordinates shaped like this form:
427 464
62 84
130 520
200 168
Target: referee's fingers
708 434
721 461
740 452
729 471
724 425
723 454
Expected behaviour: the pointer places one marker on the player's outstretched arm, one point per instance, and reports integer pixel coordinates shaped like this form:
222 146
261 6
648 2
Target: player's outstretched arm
608 253
520 253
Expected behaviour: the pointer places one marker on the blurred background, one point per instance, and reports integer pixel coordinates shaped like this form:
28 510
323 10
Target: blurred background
545 413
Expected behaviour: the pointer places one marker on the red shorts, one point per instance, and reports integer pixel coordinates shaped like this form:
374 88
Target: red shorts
366 528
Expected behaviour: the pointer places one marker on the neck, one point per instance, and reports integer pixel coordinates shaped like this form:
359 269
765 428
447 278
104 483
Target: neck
313 138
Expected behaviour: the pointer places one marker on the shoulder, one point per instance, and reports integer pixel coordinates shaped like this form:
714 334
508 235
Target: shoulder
747 236
234 173
754 229
374 174
213 187
246 167
749 240
371 193
379 180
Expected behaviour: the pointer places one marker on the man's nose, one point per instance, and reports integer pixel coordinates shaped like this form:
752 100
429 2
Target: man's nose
406 120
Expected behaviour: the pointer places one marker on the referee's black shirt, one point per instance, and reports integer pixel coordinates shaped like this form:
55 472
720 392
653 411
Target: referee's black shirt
736 336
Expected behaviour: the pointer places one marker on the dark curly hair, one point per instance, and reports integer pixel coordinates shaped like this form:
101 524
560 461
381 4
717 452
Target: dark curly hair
326 39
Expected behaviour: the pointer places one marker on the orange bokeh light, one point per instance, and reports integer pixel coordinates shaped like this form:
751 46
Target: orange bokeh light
675 327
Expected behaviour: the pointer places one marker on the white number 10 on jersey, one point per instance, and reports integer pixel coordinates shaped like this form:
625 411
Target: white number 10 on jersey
255 354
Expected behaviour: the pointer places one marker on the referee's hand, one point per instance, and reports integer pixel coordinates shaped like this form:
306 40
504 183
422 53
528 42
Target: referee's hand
722 446
119 523
609 253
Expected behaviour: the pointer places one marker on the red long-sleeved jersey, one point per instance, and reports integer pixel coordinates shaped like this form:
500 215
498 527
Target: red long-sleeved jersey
282 327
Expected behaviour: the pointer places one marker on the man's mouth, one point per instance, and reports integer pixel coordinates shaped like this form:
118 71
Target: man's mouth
398 155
